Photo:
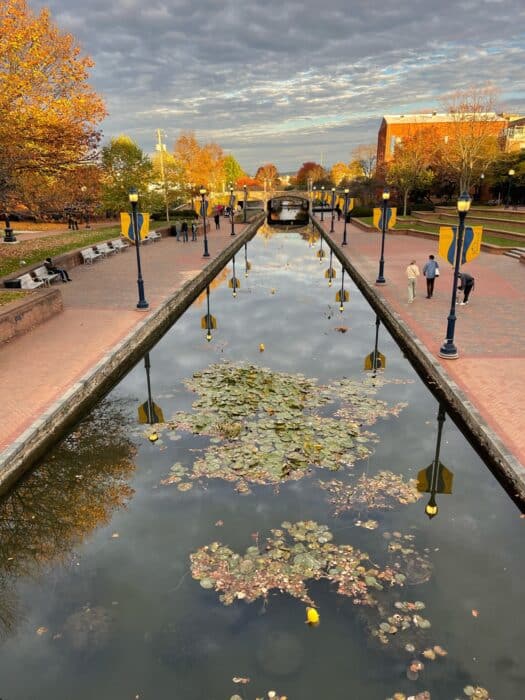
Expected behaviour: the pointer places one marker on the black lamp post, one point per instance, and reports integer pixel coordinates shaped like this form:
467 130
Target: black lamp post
9 237
202 193
333 210
431 509
235 281
232 201
83 189
134 198
510 174
448 350
244 212
381 276
342 291
247 264
347 192
322 203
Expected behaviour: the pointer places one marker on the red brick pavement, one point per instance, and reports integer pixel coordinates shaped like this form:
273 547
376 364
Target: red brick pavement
99 311
490 330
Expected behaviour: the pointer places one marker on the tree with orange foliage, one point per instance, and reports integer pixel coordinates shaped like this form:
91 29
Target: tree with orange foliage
410 168
267 172
310 171
202 166
49 114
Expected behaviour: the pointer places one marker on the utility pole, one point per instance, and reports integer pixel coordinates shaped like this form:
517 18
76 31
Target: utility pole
161 148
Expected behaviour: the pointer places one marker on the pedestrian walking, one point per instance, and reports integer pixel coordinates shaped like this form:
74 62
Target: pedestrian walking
193 231
217 220
430 272
184 231
338 211
412 275
466 285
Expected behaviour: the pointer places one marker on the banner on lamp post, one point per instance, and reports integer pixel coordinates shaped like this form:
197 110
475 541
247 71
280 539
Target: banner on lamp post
471 243
391 218
126 225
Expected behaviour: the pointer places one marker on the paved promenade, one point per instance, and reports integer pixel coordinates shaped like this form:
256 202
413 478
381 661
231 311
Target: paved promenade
490 330
37 368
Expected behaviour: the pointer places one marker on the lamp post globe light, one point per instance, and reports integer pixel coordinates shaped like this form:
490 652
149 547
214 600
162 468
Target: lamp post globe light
322 203
381 276
347 192
481 181
231 211
134 198
202 193
448 350
510 174
332 204
244 212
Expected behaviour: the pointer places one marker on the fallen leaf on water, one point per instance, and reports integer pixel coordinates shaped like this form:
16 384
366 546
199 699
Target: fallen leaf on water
219 523
115 536
240 679
341 329
475 613
41 630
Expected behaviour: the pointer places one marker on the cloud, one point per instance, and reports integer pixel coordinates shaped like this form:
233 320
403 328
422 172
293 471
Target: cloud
286 81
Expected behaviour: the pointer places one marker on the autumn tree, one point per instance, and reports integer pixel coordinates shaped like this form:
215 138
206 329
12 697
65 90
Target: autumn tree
232 170
203 165
125 165
410 168
310 171
339 172
364 157
267 172
49 114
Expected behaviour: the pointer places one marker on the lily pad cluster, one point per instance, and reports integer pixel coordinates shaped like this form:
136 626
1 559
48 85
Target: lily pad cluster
469 691
380 492
268 426
292 555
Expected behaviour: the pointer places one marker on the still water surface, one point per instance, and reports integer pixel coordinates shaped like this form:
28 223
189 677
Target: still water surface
96 598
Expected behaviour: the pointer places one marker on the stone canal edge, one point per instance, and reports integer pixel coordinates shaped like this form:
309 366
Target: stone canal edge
51 426
502 463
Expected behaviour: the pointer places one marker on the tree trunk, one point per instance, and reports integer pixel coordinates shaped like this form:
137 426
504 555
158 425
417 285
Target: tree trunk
405 201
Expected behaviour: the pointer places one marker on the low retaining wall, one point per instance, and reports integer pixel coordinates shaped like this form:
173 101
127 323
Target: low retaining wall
21 316
84 394
502 463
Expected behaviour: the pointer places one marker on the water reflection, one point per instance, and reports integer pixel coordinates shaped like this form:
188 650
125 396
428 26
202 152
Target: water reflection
233 283
342 295
375 360
60 503
149 411
436 478
330 273
290 211
208 321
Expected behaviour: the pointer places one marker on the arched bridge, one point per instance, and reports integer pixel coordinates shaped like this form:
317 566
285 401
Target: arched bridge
288 209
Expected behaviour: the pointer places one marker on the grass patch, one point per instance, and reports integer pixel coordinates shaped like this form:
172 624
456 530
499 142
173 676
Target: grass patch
6 297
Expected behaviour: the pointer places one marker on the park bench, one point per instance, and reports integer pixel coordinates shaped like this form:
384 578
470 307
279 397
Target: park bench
153 236
104 249
28 282
89 256
43 274
118 245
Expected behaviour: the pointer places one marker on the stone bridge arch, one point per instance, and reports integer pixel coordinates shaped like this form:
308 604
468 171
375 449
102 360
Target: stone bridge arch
288 208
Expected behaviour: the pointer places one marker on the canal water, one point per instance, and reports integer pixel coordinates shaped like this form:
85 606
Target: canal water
97 596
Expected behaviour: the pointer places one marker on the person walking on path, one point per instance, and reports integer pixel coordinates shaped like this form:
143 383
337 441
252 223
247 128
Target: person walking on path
466 285
193 231
412 275
217 220
64 275
430 271
338 211
184 231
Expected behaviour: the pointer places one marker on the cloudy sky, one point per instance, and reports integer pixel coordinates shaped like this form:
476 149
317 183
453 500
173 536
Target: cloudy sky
288 81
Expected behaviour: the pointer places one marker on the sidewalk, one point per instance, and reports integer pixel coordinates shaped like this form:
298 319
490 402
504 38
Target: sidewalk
490 330
38 368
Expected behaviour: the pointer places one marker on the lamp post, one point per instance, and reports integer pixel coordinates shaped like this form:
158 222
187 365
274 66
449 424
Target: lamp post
381 276
83 189
448 350
347 192
510 174
431 509
232 201
202 193
134 198
322 203
244 212
333 210
9 237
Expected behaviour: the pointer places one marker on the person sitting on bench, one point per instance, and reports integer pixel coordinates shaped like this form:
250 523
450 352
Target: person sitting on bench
57 270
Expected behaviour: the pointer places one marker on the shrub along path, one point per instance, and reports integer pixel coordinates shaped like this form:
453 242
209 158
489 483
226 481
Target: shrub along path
490 330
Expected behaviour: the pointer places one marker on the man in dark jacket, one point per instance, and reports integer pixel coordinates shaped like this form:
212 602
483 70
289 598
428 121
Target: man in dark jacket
466 285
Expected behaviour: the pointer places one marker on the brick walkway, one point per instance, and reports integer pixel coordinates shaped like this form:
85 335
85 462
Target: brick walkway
99 311
490 331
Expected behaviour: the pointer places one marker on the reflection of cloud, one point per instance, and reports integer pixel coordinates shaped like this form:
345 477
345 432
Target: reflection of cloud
320 84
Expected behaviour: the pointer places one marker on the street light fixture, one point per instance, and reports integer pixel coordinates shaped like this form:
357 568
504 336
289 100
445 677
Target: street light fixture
232 201
448 350
333 210
381 276
134 198
202 193
510 174
244 212
9 237
347 192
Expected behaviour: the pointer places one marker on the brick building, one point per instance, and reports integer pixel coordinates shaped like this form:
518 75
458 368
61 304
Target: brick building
395 128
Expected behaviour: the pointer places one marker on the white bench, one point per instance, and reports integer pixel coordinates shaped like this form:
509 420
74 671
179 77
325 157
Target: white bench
43 274
118 245
153 236
89 256
104 249
27 282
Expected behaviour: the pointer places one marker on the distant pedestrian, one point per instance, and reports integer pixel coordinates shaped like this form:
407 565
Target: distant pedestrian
75 224
430 271
64 275
217 220
338 211
184 231
412 275
466 285
175 231
193 231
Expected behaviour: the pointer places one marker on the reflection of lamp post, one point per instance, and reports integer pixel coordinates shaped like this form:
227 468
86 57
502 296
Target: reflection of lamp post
244 212
376 362
247 265
333 210
234 279
204 204
448 350
436 478
347 192
134 198
232 200
381 276
322 203
510 174
208 321
341 307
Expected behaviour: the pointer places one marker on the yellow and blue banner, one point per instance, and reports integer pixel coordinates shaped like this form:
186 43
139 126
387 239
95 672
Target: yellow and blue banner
391 218
380 361
197 206
471 243
126 226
